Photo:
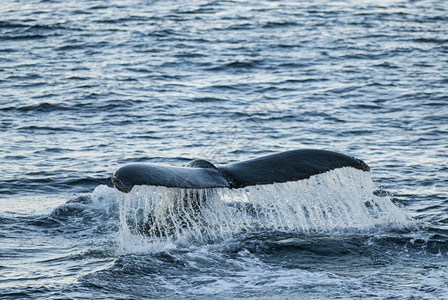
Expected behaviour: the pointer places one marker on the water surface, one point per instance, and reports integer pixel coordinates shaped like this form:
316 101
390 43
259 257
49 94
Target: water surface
87 86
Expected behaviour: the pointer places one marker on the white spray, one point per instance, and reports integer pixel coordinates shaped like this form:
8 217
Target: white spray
338 200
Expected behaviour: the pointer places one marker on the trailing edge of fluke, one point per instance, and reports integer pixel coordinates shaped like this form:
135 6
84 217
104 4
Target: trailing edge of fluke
280 167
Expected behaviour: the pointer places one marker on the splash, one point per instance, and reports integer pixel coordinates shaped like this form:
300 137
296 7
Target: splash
337 201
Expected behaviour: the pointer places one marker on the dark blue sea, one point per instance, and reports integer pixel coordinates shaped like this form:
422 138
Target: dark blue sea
88 86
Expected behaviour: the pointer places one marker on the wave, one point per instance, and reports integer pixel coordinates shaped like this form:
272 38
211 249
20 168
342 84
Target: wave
245 65
49 182
79 106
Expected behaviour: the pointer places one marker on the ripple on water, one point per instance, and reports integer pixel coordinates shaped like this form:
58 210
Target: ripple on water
86 87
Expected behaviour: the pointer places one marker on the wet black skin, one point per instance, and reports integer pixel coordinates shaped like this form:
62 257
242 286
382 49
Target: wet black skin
280 167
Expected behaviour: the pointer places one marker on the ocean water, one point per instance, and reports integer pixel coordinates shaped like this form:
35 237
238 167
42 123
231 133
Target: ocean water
88 86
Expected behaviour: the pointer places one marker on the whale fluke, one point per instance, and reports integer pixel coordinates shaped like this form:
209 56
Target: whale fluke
287 166
183 177
281 167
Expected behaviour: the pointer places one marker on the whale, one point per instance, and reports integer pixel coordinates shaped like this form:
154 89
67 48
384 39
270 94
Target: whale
194 184
280 167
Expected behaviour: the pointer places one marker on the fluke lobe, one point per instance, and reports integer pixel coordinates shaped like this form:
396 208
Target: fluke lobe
280 167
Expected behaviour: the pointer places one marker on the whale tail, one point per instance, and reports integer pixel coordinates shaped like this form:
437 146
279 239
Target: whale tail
199 174
192 186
